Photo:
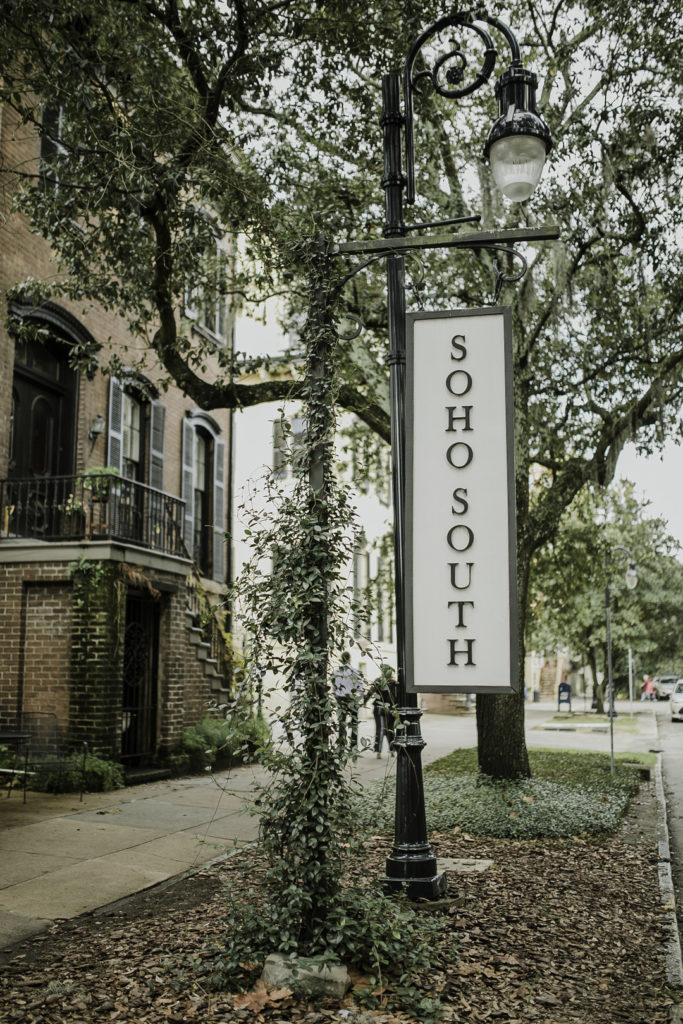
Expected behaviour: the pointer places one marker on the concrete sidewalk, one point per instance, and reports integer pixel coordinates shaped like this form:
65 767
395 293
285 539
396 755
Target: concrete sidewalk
60 858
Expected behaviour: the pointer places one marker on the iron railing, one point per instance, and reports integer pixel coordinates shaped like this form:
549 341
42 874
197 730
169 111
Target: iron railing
92 507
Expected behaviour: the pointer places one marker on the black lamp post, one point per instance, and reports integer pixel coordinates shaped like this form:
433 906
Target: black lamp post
516 148
631 581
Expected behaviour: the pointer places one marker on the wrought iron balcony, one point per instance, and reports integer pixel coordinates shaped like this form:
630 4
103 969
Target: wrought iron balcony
92 506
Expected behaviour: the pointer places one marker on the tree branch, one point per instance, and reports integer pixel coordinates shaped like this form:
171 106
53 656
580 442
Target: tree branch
616 430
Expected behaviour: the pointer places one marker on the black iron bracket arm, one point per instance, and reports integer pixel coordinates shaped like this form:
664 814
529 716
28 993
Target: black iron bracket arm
492 241
471 240
447 75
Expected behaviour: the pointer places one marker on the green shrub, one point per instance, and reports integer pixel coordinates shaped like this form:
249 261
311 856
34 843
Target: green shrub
381 936
220 743
101 776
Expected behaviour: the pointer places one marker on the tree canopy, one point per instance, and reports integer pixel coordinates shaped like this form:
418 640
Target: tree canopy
570 575
187 121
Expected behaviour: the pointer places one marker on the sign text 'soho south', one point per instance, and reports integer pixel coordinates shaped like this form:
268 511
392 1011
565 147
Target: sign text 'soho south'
461 634
460 538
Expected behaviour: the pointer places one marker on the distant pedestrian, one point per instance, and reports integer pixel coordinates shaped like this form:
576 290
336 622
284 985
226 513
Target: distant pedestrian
348 691
647 689
384 693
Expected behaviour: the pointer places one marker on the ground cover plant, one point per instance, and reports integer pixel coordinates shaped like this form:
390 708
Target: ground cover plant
571 793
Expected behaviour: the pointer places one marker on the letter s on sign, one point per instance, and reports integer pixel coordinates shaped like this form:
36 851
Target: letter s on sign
458 343
460 495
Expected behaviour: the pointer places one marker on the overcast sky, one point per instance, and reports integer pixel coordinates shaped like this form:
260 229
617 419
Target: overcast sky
660 480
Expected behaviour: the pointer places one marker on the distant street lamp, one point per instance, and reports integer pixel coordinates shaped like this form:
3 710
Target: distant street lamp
631 582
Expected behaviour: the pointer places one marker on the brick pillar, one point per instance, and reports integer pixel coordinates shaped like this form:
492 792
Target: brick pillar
97 657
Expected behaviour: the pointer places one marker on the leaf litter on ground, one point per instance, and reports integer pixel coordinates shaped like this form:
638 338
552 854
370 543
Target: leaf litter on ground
566 931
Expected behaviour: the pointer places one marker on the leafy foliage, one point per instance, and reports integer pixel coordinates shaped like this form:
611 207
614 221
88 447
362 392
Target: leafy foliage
570 574
102 776
215 743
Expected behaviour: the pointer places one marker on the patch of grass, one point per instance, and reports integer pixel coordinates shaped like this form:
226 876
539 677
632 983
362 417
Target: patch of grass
571 793
622 721
570 766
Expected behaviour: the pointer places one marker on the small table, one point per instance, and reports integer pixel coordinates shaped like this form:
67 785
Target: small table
13 736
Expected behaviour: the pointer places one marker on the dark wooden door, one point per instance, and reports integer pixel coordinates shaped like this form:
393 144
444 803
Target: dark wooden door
140 691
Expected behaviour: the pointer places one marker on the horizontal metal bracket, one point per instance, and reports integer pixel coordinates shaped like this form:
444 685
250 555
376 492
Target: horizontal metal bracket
471 240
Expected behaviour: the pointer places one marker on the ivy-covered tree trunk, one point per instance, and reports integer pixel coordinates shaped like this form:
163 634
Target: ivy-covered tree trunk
293 615
320 766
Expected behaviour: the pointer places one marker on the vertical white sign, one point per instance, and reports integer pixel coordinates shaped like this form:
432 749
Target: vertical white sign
461 589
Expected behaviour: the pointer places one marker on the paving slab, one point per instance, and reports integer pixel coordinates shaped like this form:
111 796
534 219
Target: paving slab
73 837
157 815
240 827
17 927
213 800
185 849
31 865
79 888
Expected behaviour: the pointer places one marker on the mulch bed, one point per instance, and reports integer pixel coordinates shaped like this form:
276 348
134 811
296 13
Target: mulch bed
558 933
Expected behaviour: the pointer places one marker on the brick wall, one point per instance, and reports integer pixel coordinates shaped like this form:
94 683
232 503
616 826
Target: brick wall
47 647
61 651
97 657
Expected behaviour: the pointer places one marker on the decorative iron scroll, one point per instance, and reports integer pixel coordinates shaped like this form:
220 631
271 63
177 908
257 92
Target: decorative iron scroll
448 73
445 77
501 277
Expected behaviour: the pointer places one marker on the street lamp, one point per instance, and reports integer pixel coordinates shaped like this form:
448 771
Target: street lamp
516 148
631 581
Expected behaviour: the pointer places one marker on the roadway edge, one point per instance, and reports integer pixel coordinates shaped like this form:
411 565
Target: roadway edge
672 949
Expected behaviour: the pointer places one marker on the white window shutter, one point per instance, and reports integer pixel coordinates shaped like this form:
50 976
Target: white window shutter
115 436
187 482
219 524
156 453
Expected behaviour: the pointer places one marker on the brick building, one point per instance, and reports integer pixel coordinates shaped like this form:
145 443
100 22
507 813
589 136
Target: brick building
114 500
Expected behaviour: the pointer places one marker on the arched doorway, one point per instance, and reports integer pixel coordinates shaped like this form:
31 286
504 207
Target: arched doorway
44 394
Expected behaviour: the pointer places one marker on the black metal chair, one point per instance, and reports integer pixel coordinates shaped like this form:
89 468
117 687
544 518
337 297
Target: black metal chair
39 748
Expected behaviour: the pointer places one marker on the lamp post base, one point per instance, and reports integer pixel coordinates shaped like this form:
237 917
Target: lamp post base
413 883
411 866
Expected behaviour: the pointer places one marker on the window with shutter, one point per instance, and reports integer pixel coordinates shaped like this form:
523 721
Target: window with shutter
209 308
187 480
203 489
219 524
115 436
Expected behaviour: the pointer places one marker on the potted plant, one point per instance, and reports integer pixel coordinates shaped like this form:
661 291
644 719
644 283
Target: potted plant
73 516
97 480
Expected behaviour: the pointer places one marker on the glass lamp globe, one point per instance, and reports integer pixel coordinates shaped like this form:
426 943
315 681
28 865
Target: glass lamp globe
516 164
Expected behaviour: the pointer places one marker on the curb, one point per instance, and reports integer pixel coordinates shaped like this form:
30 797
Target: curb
672 948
